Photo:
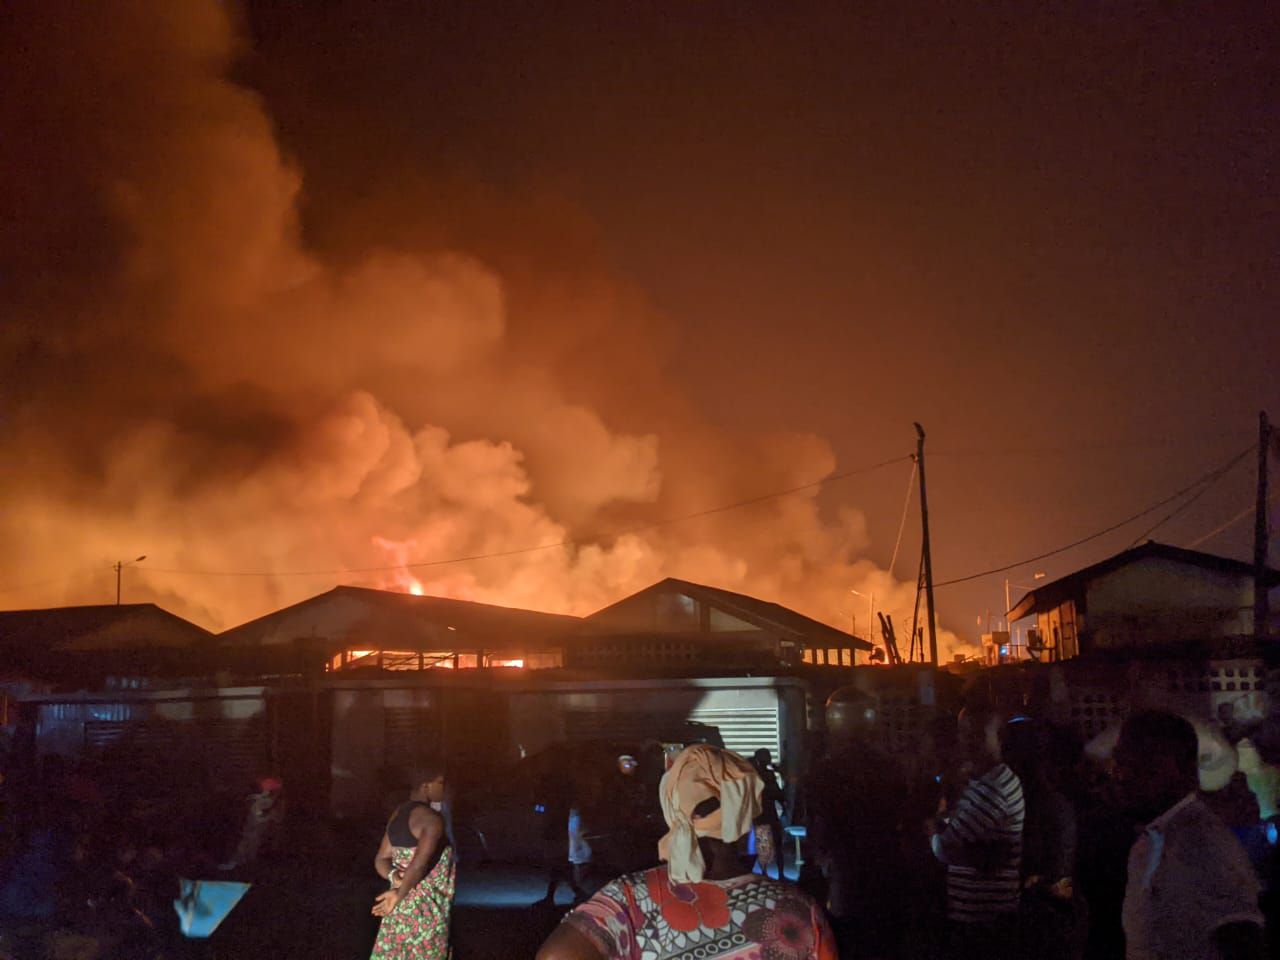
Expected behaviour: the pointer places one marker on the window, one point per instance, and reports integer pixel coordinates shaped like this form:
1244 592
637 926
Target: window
677 612
401 660
846 658
505 662
721 622
833 657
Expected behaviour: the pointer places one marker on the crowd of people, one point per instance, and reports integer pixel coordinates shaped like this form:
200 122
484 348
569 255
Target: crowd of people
92 854
996 839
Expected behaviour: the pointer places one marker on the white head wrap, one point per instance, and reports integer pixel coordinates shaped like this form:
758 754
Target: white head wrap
698 773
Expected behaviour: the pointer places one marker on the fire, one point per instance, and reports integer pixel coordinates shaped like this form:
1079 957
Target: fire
399 552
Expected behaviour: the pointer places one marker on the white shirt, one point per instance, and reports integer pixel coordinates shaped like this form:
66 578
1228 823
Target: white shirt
1188 876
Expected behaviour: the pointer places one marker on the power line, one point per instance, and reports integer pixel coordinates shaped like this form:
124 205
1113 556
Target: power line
1196 496
902 524
1247 511
568 542
1211 475
1074 449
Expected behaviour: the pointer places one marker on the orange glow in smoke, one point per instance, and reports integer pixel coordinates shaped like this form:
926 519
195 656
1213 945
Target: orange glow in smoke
399 552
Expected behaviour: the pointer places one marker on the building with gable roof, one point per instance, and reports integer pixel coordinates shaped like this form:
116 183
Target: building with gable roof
684 626
1153 597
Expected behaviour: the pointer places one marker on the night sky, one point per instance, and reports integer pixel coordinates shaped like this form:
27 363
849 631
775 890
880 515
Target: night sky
755 241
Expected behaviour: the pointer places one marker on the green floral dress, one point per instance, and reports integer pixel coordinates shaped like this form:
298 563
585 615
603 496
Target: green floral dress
418 928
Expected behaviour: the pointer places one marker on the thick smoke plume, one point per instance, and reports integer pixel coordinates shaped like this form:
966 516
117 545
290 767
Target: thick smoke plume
186 376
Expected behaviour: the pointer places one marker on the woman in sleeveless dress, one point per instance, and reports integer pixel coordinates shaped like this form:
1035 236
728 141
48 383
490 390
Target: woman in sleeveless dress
418 862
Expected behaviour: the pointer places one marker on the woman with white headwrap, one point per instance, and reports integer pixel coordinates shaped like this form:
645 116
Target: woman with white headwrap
701 902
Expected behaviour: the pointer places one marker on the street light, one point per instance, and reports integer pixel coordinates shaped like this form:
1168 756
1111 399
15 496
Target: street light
1008 604
119 566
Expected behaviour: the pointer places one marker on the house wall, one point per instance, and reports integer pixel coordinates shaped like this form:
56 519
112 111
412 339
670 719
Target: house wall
1157 600
222 733
749 712
380 730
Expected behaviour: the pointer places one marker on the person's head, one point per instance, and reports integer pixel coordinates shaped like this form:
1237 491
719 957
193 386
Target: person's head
427 782
1156 761
762 758
981 734
851 715
709 793
1025 744
627 765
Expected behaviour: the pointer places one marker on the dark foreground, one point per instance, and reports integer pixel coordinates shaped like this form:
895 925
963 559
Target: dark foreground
319 911
327 917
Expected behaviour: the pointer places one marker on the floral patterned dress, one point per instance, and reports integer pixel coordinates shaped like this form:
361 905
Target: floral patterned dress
644 916
418 928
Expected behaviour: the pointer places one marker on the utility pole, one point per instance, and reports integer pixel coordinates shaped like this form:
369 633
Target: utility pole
926 557
118 566
1261 534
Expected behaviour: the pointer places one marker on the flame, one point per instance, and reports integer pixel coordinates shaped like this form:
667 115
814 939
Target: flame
395 404
401 579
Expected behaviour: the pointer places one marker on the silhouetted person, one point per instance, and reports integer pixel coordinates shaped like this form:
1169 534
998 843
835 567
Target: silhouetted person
770 800
980 841
1052 923
1191 893
417 861
564 847
855 797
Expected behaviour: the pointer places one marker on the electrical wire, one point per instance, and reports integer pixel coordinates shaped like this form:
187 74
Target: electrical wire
568 542
1247 511
1206 478
1076 449
1196 496
906 505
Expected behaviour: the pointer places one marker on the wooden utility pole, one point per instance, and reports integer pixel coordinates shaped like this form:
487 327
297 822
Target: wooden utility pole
926 557
1261 534
119 566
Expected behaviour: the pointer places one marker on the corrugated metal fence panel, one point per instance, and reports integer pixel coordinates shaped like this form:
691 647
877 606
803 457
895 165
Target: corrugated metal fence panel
745 729
229 749
601 725
412 734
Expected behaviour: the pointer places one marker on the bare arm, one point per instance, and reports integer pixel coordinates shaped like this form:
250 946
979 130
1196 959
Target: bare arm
382 861
428 828
566 943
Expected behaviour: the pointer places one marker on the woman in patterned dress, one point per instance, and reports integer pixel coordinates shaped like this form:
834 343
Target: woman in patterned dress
418 862
701 904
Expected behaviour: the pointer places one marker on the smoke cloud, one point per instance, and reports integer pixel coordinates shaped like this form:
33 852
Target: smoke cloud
188 375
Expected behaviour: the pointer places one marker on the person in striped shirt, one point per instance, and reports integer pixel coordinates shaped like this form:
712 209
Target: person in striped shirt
980 841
